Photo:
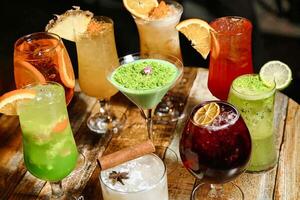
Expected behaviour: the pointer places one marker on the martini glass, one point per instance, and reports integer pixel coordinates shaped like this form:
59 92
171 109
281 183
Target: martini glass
145 79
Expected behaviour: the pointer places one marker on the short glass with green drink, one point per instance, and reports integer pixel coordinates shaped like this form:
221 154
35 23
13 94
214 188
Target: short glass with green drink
255 101
50 152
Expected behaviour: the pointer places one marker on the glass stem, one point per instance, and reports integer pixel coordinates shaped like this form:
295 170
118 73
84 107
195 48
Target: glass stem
148 116
104 106
216 191
57 189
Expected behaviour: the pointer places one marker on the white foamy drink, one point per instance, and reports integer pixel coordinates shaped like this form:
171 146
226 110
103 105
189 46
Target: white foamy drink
143 178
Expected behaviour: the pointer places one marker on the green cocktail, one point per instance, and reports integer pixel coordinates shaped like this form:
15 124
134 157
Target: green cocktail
255 101
49 148
145 81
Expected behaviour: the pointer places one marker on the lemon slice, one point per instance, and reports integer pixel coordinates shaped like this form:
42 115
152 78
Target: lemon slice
206 114
276 71
202 36
140 8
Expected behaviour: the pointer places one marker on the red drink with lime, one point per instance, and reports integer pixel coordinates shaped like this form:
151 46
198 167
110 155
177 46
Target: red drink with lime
235 54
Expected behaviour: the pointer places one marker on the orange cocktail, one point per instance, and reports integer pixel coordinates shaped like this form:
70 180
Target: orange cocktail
41 57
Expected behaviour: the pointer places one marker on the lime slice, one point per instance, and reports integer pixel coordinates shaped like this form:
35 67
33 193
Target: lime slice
276 71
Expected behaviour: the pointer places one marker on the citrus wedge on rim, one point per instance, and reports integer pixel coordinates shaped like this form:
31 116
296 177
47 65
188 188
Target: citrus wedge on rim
206 114
65 68
276 71
8 101
25 73
202 36
140 8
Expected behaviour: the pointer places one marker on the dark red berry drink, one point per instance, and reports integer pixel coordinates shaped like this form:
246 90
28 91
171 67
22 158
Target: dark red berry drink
218 152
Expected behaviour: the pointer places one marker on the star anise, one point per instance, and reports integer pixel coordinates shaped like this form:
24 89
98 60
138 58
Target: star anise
118 176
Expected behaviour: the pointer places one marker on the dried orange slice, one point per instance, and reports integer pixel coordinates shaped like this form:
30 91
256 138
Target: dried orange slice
65 68
8 102
206 114
140 8
25 73
202 36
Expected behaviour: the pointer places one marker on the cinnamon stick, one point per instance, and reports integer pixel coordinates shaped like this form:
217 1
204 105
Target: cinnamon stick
125 154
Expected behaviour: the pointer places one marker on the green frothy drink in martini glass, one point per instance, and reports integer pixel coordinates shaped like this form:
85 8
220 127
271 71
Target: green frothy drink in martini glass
255 101
145 79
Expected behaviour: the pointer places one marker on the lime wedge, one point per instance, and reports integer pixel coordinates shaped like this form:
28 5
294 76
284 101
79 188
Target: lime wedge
276 71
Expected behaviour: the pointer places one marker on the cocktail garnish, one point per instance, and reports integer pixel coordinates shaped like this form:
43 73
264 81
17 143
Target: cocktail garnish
147 70
118 176
160 11
206 114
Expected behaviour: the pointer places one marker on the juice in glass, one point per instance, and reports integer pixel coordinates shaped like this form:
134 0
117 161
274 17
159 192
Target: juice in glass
158 34
255 101
235 57
49 148
41 57
96 51
147 180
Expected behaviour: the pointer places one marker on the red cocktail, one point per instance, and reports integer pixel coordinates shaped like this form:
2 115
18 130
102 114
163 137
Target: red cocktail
235 57
218 152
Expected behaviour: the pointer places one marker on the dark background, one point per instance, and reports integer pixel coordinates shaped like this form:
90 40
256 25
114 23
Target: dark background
272 40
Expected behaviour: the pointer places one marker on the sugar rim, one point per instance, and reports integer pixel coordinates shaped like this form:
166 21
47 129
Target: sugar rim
146 189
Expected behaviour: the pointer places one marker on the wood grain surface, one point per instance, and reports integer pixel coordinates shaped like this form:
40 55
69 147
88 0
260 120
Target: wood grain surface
282 182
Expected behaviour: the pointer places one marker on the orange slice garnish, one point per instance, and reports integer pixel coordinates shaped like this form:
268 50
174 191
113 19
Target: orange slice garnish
60 126
25 73
202 36
9 101
66 72
206 114
140 8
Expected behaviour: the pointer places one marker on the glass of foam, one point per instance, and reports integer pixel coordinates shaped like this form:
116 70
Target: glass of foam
147 180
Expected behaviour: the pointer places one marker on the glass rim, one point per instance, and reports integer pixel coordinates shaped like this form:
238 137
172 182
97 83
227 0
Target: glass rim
143 190
97 18
232 17
50 49
39 83
257 96
197 107
178 64
176 4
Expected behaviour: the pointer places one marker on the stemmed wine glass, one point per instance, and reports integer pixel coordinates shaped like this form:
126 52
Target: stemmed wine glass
216 153
96 51
145 79
41 57
50 152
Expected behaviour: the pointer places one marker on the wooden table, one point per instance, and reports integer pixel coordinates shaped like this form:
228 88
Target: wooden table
283 182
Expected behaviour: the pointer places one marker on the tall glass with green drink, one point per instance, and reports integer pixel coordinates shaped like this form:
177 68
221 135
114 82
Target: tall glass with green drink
49 147
255 101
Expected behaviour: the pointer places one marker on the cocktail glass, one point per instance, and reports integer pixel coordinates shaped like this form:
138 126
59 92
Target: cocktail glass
216 153
141 183
167 70
41 57
235 57
96 51
166 42
255 101
49 147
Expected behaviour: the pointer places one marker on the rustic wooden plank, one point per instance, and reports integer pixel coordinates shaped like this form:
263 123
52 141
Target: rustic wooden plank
288 175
